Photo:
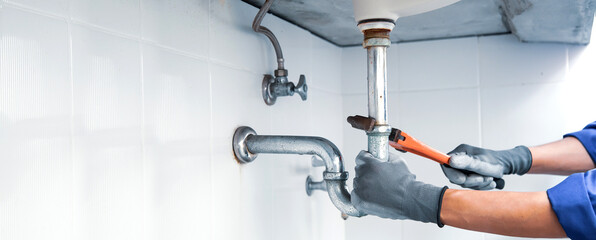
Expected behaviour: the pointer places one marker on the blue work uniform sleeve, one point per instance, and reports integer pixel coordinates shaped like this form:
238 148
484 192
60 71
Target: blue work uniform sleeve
587 137
574 202
574 199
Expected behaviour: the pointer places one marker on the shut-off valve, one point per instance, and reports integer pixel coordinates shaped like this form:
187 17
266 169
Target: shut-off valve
278 86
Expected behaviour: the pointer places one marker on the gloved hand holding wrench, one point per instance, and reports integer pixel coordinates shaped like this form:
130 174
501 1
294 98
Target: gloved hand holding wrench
466 166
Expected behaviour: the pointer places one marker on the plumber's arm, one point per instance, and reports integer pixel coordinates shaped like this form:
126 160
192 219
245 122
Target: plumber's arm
562 157
521 214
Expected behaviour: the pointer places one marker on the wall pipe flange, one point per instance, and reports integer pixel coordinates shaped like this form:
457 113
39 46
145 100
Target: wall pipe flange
267 96
239 144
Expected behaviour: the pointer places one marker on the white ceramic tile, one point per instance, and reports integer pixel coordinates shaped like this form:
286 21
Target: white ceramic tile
393 57
524 115
326 66
450 63
504 60
183 25
177 146
577 97
292 215
326 219
58 7
528 115
326 116
417 230
232 40
581 61
241 193
35 66
108 164
35 147
441 119
353 70
116 15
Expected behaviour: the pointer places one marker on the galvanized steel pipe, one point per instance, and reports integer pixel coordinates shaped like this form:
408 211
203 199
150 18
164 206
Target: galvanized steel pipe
377 83
247 145
376 42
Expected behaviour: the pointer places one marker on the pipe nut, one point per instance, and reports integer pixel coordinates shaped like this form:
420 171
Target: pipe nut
370 42
280 72
335 176
239 144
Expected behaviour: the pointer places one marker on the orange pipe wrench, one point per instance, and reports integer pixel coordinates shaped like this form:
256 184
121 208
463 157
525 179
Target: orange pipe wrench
405 143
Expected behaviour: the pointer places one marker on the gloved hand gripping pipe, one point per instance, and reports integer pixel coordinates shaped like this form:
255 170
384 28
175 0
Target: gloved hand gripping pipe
273 87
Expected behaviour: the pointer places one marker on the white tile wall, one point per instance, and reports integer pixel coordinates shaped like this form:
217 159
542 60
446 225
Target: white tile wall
107 144
326 68
177 145
230 33
54 7
35 144
353 70
519 112
117 118
504 61
114 15
164 22
447 64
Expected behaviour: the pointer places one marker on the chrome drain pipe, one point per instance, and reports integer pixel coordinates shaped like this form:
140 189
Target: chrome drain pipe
247 145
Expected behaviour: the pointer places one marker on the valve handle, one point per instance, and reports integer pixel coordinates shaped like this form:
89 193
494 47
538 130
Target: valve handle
301 88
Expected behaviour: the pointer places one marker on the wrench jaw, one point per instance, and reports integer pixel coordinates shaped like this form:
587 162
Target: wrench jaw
363 123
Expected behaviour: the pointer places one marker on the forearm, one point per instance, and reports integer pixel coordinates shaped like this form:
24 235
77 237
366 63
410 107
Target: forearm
506 213
562 157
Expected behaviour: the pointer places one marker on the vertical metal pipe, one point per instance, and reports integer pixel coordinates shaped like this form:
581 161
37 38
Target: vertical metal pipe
376 41
378 141
377 83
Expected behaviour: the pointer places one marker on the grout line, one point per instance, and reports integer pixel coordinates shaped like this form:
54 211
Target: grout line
434 89
25 8
176 51
211 134
72 142
105 30
143 123
232 66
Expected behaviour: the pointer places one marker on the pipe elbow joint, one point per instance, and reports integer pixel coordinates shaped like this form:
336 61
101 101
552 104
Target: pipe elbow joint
339 194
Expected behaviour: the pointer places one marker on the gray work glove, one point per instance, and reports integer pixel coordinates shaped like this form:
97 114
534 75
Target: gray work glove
486 164
390 190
